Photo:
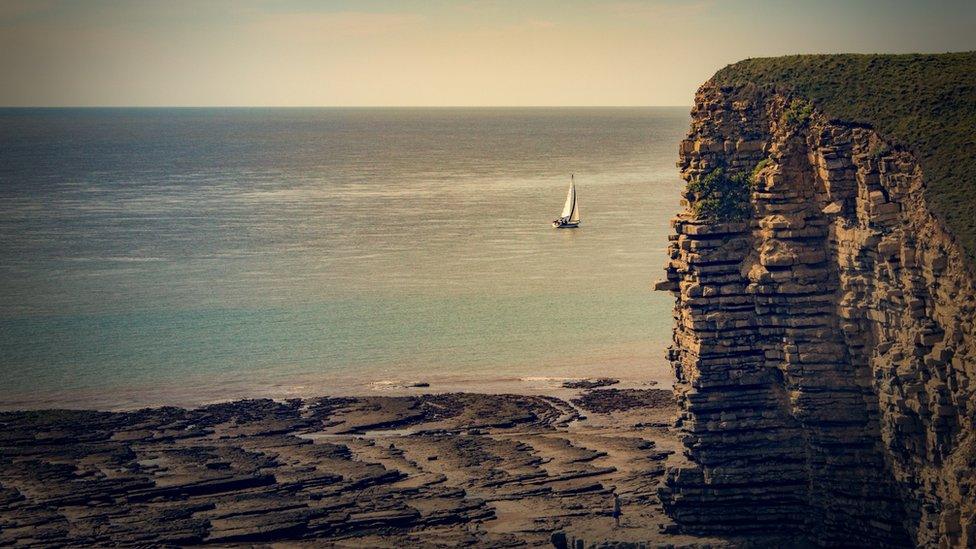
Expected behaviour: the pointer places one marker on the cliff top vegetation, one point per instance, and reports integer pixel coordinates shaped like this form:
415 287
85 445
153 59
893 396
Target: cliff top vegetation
923 102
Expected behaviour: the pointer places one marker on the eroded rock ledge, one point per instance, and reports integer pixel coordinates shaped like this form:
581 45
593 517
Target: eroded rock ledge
823 341
436 470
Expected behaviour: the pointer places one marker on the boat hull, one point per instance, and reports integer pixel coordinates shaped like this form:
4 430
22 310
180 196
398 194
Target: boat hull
563 225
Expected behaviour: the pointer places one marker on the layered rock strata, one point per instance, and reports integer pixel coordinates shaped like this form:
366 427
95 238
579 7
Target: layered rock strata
823 341
447 470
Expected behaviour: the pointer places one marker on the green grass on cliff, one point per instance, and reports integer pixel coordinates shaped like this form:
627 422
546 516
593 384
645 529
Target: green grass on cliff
721 197
925 103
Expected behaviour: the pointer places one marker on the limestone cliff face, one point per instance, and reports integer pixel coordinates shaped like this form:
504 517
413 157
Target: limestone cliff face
824 341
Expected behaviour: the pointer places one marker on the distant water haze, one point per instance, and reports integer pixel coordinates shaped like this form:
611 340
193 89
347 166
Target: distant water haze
149 254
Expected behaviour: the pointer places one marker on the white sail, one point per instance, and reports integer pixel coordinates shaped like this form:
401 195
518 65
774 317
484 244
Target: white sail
574 217
570 205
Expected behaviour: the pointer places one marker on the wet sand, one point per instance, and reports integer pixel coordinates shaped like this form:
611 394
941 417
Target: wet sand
443 469
204 389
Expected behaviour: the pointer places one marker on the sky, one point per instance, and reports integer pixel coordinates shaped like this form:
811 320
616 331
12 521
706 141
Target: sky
431 52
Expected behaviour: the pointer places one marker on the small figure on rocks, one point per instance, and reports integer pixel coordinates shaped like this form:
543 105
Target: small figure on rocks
616 510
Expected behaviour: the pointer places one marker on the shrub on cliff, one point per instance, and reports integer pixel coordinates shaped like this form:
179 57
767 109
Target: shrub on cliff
754 177
797 113
719 196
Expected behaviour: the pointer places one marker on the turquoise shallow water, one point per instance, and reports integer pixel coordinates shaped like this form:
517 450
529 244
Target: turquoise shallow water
147 251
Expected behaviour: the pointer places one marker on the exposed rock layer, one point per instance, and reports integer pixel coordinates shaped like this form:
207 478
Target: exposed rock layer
443 470
823 343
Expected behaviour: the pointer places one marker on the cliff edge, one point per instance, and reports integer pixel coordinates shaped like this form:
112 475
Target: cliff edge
825 307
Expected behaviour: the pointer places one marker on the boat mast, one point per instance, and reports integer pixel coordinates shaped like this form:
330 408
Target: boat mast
574 216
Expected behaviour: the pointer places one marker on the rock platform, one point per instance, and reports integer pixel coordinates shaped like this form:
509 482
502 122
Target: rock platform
430 470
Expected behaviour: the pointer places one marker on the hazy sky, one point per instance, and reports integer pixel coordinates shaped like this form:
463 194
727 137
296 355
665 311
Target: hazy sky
431 52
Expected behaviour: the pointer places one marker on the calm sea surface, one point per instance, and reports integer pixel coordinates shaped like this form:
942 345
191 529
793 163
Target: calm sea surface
151 254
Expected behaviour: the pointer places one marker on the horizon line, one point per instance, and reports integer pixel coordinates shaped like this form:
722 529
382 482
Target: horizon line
337 106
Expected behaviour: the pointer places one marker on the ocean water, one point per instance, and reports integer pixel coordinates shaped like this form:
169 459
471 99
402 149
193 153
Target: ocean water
151 255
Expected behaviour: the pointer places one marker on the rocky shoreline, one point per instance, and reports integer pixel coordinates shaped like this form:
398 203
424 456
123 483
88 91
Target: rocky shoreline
431 470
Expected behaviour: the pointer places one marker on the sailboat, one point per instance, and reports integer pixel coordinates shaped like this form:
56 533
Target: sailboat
570 218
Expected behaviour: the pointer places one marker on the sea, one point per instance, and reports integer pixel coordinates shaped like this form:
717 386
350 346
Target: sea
191 255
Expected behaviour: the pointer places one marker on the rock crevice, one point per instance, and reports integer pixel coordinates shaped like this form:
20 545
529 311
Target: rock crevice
823 340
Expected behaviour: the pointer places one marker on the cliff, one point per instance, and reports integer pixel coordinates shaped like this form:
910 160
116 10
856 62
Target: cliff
824 318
